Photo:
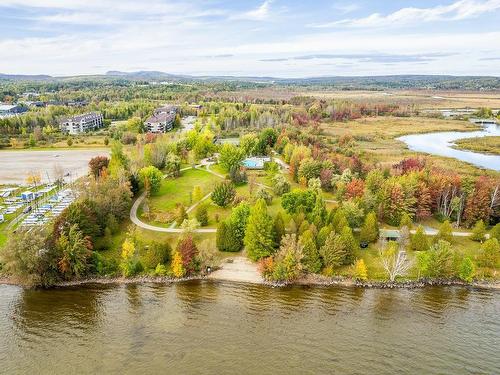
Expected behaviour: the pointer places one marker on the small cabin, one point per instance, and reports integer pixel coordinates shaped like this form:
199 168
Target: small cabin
389 234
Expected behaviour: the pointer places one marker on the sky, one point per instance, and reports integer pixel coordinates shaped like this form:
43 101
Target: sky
278 38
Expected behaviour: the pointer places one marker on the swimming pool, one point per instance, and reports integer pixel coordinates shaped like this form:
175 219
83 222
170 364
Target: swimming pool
255 162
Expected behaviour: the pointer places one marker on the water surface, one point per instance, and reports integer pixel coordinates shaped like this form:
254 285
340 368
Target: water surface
441 143
215 328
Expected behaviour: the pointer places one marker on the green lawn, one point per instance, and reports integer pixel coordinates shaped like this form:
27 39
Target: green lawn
179 190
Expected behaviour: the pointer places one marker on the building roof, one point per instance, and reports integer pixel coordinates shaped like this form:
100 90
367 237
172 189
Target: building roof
84 116
161 117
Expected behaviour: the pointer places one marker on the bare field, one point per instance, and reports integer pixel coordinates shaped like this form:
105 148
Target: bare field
16 165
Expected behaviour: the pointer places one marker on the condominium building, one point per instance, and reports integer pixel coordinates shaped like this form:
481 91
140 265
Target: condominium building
82 123
162 120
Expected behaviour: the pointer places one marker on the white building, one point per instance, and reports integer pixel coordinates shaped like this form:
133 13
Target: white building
9 110
82 123
162 120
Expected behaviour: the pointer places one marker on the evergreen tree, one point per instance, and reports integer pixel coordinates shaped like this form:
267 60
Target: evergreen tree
495 232
370 230
479 232
311 260
181 214
467 270
419 241
350 244
226 238
197 194
202 214
490 253
279 228
334 251
339 220
323 235
406 221
259 236
445 232
318 214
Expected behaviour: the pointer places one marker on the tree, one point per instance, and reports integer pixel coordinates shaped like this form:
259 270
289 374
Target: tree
129 258
226 238
279 228
280 185
370 230
318 214
339 220
180 214
467 270
489 253
202 214
287 262
439 262
419 241
262 193
334 251
406 221
197 194
27 257
172 165
478 205
479 232
495 232
259 236
394 261
298 200
230 156
178 269
445 232
97 164
238 223
323 235
311 260
350 244
156 253
360 270
188 251
223 194
152 177
74 250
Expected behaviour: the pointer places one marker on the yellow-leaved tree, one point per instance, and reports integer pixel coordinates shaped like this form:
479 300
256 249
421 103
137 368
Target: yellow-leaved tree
177 267
360 270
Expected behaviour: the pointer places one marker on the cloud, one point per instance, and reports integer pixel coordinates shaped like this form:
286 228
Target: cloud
345 8
368 57
261 13
456 11
490 59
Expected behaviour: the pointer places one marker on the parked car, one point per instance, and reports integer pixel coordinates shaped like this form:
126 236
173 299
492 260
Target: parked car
27 209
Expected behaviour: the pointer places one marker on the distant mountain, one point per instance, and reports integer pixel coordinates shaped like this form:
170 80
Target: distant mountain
445 82
25 77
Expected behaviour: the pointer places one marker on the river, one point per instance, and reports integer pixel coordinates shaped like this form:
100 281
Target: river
441 143
204 327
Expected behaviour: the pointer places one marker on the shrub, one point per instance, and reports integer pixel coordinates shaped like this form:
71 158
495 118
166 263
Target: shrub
188 251
178 269
280 185
223 194
360 270
180 214
156 253
467 270
151 177
479 232
489 253
161 270
202 214
262 193
445 232
419 241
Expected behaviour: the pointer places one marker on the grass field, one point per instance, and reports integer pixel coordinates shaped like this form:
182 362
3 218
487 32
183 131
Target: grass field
485 145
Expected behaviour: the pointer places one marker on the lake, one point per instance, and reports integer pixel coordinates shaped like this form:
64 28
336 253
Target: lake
204 327
15 165
441 143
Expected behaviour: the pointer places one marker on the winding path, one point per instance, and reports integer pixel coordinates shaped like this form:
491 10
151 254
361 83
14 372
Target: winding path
204 163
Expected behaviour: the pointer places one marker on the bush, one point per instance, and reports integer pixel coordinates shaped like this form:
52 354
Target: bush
419 241
489 253
467 270
360 270
479 232
128 138
445 232
262 193
180 214
223 194
280 185
156 253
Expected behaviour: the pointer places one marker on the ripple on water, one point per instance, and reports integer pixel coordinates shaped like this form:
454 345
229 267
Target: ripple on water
223 328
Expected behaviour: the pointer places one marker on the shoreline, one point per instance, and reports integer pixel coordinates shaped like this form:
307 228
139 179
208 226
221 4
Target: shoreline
307 281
